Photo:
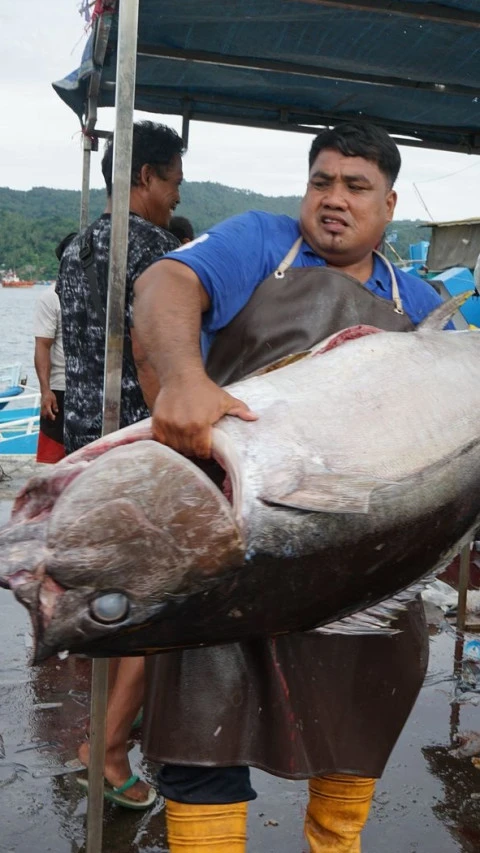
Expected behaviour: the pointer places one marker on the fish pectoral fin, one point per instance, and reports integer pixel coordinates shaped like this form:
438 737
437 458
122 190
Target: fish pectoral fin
329 492
379 619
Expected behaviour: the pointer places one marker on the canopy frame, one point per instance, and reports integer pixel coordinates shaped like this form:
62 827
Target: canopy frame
421 87
263 111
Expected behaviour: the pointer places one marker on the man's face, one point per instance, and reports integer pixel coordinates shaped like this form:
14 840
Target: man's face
346 207
163 194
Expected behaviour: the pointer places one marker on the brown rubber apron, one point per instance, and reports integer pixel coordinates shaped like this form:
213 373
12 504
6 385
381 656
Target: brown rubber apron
304 704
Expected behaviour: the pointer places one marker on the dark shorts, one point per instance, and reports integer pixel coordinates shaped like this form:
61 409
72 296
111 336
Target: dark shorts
50 438
205 785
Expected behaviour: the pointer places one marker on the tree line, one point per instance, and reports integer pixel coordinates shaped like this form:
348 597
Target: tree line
32 223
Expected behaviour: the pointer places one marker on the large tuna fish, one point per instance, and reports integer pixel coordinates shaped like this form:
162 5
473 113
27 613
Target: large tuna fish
361 475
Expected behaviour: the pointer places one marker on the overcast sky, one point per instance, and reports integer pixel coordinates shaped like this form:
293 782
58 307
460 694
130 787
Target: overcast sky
42 41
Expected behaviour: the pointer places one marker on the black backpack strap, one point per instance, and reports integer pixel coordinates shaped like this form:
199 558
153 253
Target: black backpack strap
59 250
87 260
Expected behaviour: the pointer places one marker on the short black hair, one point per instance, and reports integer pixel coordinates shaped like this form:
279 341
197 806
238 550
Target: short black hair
154 144
360 139
181 227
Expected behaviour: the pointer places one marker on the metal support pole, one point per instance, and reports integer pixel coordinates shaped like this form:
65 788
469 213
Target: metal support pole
85 196
463 579
186 124
98 716
122 160
457 672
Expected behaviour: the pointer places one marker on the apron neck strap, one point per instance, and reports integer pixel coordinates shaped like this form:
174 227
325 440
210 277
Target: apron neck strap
294 250
395 291
289 258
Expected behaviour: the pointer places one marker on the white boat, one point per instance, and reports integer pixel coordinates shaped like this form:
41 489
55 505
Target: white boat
19 413
10 379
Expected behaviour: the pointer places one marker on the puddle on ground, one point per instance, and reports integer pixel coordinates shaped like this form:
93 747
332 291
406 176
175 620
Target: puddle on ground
426 802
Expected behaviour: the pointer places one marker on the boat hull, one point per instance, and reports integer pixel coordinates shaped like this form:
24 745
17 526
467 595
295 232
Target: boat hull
19 421
18 283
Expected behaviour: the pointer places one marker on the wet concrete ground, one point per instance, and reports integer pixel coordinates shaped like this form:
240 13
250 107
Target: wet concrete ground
427 801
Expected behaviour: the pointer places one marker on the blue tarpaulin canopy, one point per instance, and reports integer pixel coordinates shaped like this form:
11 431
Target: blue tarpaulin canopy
412 66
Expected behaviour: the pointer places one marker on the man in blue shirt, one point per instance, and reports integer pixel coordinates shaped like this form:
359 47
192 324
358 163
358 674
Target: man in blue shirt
253 288
251 244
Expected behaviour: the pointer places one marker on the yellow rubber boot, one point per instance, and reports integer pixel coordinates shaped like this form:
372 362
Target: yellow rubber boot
337 812
201 829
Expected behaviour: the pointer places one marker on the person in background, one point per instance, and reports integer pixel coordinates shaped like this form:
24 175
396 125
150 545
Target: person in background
182 228
328 709
82 289
50 369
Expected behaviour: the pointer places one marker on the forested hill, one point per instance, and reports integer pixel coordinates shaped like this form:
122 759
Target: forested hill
32 223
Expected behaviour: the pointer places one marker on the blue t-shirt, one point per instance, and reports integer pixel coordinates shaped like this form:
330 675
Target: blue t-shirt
234 257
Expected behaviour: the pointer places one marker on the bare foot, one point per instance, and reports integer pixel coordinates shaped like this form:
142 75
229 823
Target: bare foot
117 771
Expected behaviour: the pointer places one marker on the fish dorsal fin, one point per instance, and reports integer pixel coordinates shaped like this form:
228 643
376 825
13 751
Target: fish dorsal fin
438 318
325 491
378 619
280 362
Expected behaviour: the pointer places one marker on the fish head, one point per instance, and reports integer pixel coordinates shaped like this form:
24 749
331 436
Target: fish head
137 530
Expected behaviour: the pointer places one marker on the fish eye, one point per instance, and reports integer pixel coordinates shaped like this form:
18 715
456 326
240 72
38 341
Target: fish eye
110 607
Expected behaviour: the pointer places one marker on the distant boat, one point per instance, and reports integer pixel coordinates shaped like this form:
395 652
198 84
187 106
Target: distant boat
11 279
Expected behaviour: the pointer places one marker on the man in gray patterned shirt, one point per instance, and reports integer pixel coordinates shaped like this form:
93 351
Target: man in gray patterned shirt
155 182
156 178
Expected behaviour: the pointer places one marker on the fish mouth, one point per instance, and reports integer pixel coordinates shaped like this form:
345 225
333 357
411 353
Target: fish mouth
63 621
39 597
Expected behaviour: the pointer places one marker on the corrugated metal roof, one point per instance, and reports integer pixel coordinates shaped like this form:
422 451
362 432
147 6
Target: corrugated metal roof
449 224
412 66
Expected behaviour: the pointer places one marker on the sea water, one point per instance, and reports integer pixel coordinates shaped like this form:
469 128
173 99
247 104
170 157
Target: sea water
17 343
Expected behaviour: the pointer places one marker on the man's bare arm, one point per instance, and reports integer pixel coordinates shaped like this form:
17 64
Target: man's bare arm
168 306
145 373
42 361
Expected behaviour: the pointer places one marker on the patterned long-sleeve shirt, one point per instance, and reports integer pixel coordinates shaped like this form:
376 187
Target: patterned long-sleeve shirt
84 331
